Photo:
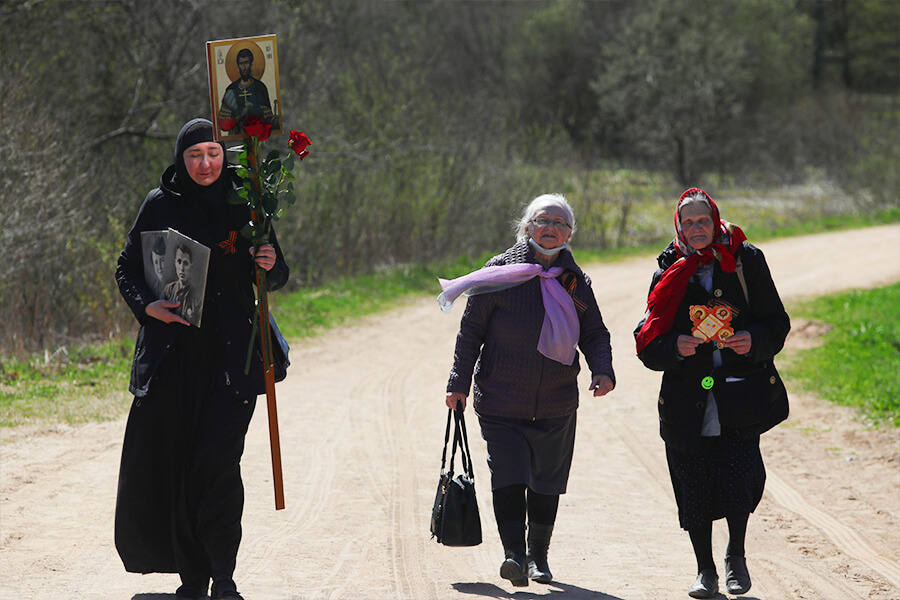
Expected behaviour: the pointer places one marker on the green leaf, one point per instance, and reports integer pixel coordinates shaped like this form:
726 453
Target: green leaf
234 197
273 166
269 204
243 193
288 164
242 159
289 197
278 214
273 155
248 184
243 173
251 231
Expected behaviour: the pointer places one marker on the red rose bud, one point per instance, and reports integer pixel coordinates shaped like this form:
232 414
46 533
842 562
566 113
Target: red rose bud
254 126
299 142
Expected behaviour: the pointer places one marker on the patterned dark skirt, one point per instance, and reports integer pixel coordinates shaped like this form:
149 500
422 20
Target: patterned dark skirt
536 453
727 476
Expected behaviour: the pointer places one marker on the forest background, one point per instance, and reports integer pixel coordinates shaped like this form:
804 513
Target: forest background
433 122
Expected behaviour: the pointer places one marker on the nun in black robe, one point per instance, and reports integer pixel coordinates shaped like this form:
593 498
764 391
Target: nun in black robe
180 494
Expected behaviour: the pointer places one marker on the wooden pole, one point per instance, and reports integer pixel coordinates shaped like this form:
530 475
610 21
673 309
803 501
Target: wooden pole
265 340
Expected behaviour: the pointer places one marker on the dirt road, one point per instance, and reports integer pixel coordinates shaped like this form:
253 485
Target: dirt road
362 419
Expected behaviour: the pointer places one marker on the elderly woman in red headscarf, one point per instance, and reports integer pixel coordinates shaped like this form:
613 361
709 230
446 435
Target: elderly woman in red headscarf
717 471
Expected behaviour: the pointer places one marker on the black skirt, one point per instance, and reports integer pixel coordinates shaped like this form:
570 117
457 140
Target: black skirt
727 476
535 453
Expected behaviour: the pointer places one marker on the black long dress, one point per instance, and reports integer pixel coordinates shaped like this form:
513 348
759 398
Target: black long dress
180 495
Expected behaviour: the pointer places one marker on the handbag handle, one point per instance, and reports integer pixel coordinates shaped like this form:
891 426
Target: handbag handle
461 440
739 269
446 440
464 451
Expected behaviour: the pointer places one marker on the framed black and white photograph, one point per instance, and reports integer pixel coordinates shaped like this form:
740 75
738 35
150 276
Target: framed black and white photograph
175 268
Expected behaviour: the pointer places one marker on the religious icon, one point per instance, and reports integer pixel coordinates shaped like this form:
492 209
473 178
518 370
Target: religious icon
243 82
713 321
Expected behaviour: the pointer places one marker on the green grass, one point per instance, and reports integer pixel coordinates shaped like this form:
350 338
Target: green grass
83 384
308 312
859 362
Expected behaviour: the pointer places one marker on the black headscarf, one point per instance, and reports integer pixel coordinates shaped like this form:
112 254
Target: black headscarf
213 195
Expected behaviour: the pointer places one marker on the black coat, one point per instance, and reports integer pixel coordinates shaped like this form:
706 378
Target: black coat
229 299
682 400
499 332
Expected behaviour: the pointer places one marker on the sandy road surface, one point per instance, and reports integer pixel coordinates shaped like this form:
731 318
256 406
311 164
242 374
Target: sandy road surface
361 425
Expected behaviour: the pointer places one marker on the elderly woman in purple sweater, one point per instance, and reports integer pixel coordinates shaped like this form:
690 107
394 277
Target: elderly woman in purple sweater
528 310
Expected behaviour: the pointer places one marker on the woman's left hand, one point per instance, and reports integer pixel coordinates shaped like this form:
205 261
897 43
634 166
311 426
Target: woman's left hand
264 256
602 385
740 342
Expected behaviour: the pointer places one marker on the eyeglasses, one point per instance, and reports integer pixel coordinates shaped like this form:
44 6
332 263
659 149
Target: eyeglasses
546 222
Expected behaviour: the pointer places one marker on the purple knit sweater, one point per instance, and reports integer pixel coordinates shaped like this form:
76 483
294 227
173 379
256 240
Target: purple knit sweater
498 337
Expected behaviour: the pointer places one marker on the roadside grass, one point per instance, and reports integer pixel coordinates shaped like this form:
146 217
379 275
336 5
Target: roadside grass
85 383
858 363
308 312
88 382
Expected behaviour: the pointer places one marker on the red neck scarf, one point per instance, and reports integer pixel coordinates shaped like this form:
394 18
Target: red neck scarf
664 300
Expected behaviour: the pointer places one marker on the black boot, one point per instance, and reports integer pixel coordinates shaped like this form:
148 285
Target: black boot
538 545
193 587
225 589
514 567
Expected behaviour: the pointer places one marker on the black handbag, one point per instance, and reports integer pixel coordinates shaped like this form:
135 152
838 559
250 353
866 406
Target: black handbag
454 518
751 401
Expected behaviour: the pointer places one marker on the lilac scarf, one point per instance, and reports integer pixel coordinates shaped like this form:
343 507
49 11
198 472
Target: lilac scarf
561 328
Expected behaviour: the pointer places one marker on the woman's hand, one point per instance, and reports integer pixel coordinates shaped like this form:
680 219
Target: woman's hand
265 256
161 311
601 384
740 342
687 345
454 397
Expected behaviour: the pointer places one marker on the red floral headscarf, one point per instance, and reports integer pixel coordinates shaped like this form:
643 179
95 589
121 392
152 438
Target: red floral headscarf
666 296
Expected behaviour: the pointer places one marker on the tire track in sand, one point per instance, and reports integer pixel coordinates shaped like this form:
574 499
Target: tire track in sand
846 539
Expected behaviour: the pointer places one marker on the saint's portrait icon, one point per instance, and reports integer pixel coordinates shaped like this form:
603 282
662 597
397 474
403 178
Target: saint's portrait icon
244 82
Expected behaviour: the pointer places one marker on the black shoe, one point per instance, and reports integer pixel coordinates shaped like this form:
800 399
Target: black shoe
514 569
737 577
225 589
191 591
706 586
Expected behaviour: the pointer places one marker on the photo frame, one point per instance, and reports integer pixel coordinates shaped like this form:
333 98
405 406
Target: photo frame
175 268
238 89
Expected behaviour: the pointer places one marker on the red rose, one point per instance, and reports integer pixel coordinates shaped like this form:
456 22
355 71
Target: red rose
299 142
254 126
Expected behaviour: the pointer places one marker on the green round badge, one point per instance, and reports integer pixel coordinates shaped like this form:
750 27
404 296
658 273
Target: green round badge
707 382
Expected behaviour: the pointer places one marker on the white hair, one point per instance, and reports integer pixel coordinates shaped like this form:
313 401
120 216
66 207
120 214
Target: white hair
539 204
697 197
